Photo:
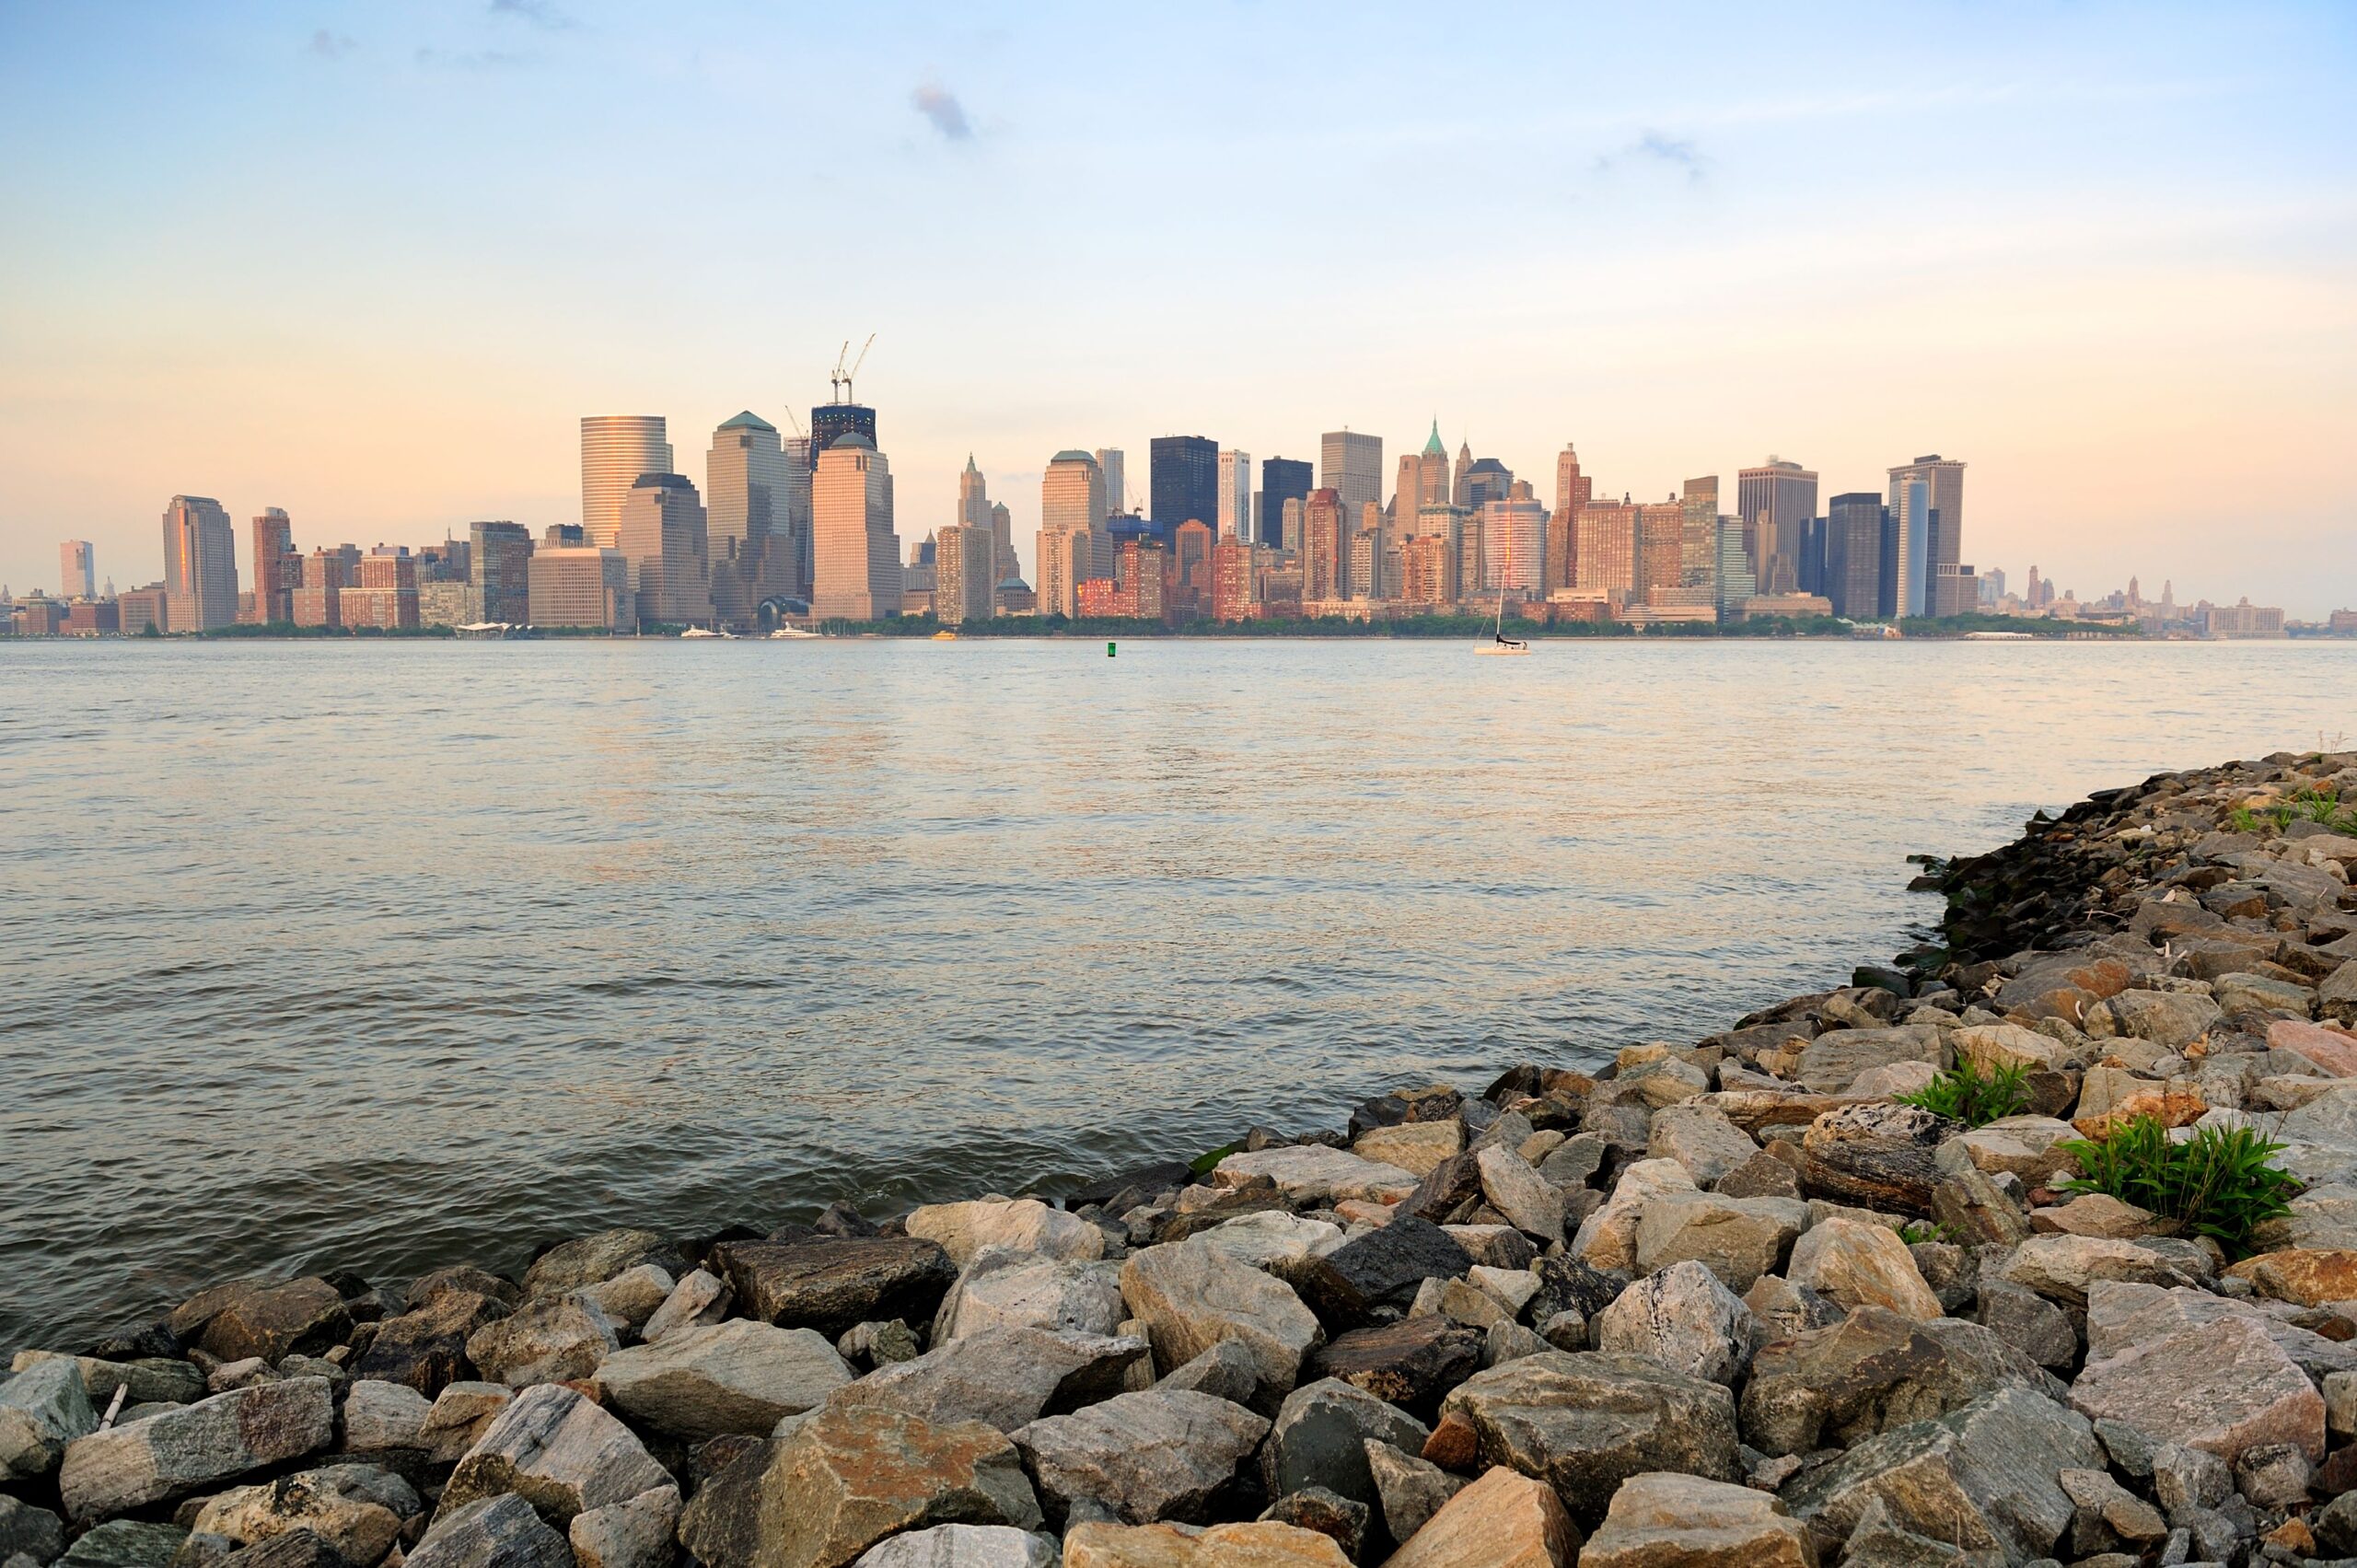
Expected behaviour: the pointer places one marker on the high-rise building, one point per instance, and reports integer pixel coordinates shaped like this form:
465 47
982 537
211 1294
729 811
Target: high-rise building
382 596
1735 582
1605 548
856 555
801 459
1351 465
1457 475
973 498
1231 579
1944 520
499 569
1010 570
580 584
1325 566
749 488
1117 494
1661 546
200 566
1482 481
1235 494
1574 489
77 569
1188 592
1776 501
664 538
1514 545
276 567
1424 482
1283 479
1698 547
1853 554
965 563
1071 500
1429 570
1183 481
615 449
829 422
1908 540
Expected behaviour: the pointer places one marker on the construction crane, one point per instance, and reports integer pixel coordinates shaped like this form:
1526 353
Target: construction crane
849 395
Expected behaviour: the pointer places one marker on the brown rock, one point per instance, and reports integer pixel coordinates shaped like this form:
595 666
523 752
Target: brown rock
847 1478
831 1282
1502 1520
1665 1520
276 1321
426 1349
1261 1545
1412 1363
2309 1276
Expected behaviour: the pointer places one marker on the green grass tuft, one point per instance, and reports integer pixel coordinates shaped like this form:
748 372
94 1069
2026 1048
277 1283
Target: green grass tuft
2218 1183
1968 1097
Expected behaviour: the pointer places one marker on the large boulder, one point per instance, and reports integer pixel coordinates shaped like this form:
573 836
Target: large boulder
381 1417
1831 1062
1263 1543
593 1260
1004 1289
1684 1319
1852 1263
1349 1286
1150 1456
964 1546
1586 1423
699 1300
633 1534
1664 1520
144 1379
1992 1048
831 1283
1873 1371
547 1341
1412 1363
1021 1224
1191 1296
1875 1155
1002 1377
1608 1237
425 1348
1314 1174
1530 1203
178 1451
1502 1520
559 1452
358 1509
847 1478
2304 1276
42 1409
2063 985
2223 1388
2060 1268
503 1531
1982 1478
1275 1240
736 1376
2171 1020
1702 1139
460 1414
1414 1146
2122 1317
1320 1435
1737 1238
276 1321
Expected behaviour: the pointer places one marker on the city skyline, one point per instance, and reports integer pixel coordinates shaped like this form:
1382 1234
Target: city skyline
2120 285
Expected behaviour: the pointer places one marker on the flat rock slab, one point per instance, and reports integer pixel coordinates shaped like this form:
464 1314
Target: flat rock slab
1312 1173
2121 1316
831 1282
179 1451
2223 1388
1002 1377
964 1546
592 1260
2062 1268
1875 1370
356 1509
1412 1363
1586 1423
1190 1296
1502 1520
1381 1269
1265 1544
490 1532
1021 1224
1413 1147
847 1478
559 1452
1663 1520
740 1376
1148 1456
1273 1239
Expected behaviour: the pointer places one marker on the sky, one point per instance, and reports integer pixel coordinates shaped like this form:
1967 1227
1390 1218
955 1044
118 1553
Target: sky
371 263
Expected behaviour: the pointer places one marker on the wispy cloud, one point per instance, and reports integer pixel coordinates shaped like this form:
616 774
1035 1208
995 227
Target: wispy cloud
939 104
540 13
1660 149
328 45
472 59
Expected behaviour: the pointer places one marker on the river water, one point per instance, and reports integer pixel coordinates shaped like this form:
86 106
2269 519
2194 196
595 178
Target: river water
387 955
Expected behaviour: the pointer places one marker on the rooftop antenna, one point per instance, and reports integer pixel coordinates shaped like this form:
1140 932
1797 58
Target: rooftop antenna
849 395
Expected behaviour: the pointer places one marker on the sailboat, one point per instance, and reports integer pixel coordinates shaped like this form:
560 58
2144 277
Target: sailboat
1500 645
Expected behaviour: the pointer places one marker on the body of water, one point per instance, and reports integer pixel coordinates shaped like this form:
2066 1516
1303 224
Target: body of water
386 955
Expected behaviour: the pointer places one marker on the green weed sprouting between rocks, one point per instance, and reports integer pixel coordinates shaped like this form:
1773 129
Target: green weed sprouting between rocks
2217 1183
1965 1096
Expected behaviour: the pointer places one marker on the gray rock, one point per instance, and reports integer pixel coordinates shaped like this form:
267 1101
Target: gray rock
358 1510
183 1450
1409 1488
559 1452
380 1416
2273 1476
1311 1173
1573 1163
1020 1224
1875 1371
1607 1239
490 1532
1146 1456
149 1380
1343 1520
879 1344
1511 1342
1191 1296
964 1546
2226 1386
1855 1264
42 1409
831 1283
463 1277
2171 1020
1319 1438
1660 1519
27 1531
1225 1371
631 1298
1585 1423
2123 1315
1981 1478
1529 1202
734 1376
1005 1289
2060 1268
698 1301
1275 1240
1702 1140
1880 1541
1353 1284
547 1341
848 1476
2029 1322
1738 1238
2335 1524
2106 1515
2187 1478
460 1413
592 1260
1002 1377
1831 1062
125 1543
1684 1319
636 1534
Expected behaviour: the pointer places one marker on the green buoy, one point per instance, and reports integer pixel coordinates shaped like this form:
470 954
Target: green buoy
1109 650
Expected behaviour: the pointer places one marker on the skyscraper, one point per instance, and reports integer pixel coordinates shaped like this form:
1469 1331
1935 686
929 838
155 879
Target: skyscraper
1605 548
831 421
1943 521
200 566
1776 501
1661 546
1424 482
615 449
664 538
965 562
748 485
1235 494
1282 480
1699 553
276 567
1117 493
1735 582
855 554
77 569
1514 544
1481 481
1853 554
973 498
1325 565
1574 489
1909 536
499 568
1351 465
1183 481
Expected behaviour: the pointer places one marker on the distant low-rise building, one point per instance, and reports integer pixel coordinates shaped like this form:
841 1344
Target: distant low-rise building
581 586
2244 620
384 595
93 617
39 616
140 611
1789 607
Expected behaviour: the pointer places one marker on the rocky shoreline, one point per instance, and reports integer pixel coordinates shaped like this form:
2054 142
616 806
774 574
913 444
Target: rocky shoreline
1729 1302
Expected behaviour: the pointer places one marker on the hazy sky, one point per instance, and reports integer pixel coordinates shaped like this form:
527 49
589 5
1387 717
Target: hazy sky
372 262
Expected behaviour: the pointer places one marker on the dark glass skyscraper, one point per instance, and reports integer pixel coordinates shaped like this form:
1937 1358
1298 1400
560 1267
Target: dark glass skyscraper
1853 554
1184 482
829 421
1282 480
